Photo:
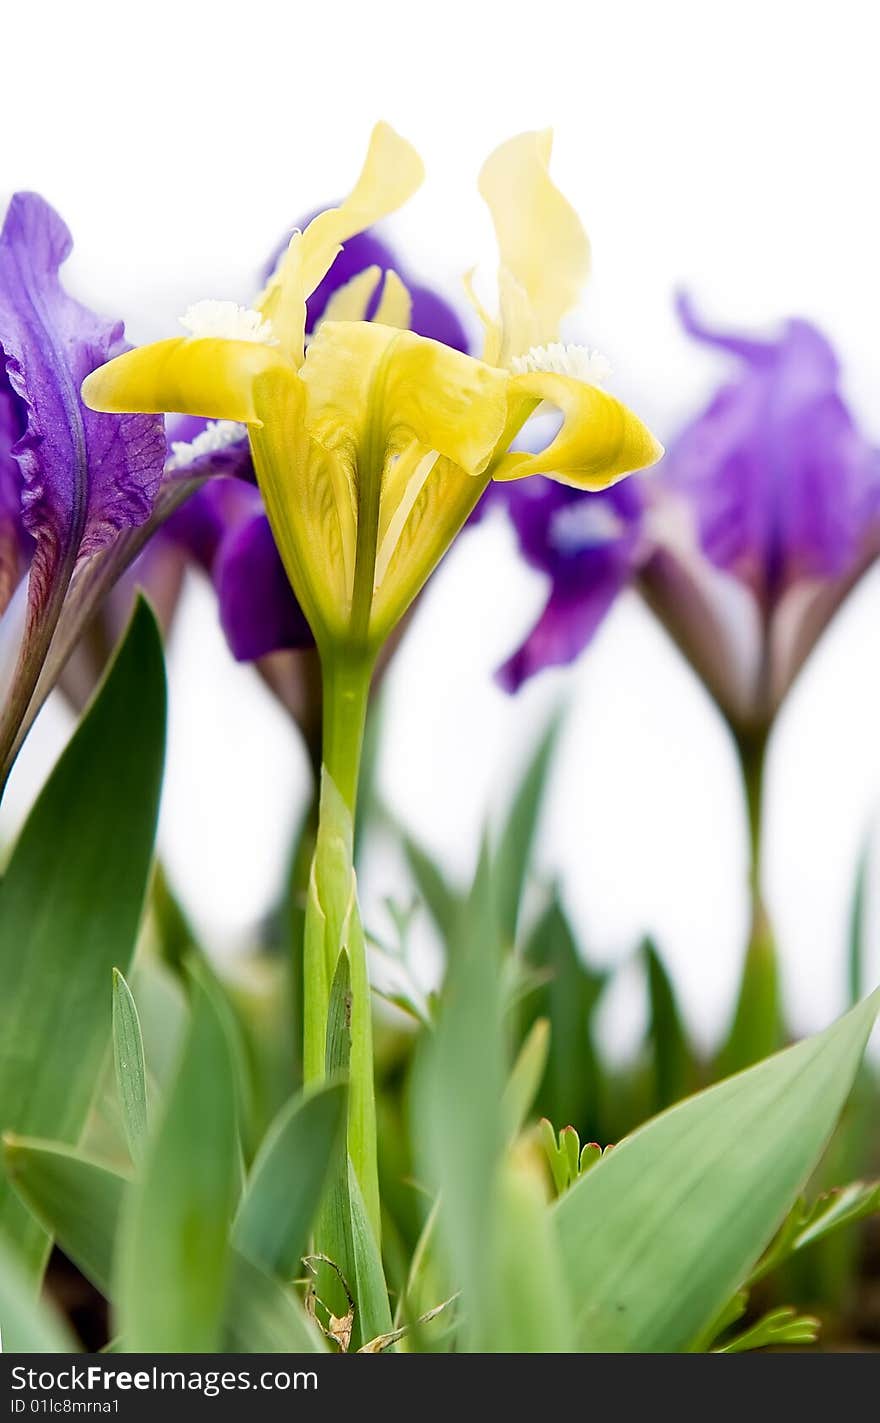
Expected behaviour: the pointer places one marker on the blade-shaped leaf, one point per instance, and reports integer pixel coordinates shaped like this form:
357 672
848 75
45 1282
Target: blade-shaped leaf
29 1325
673 1062
518 833
439 898
70 906
173 1259
262 1317
76 1199
284 1190
128 1061
572 1090
457 1126
666 1227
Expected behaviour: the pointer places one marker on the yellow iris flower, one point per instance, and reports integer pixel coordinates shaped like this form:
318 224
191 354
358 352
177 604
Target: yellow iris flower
373 445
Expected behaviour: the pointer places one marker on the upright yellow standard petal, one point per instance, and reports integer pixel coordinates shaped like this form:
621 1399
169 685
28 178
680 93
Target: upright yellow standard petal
395 304
208 376
351 301
544 251
600 440
391 173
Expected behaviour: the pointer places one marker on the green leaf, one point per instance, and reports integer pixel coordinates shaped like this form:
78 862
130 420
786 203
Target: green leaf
777 1327
808 1224
70 905
262 1317
457 1127
533 1315
518 833
672 1059
128 1061
345 1234
439 898
174 1259
661 1232
76 1199
29 1325
573 1089
285 1186
525 1079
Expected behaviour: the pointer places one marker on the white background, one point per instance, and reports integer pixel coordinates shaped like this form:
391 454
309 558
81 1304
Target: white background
731 148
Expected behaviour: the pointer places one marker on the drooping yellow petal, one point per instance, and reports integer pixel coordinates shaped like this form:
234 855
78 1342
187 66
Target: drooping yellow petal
308 501
209 376
599 441
443 501
391 173
544 251
395 304
357 374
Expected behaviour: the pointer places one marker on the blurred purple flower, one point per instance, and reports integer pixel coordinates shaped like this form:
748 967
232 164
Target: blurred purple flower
762 516
781 482
71 481
589 546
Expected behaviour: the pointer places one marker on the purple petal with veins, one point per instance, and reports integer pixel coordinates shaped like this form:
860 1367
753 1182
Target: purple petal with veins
84 476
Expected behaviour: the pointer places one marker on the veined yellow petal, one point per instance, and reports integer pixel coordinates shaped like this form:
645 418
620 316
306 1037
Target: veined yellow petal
600 439
544 251
360 373
209 376
395 304
308 501
415 544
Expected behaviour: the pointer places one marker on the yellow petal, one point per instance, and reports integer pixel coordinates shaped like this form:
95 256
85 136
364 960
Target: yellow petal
391 173
361 373
351 301
208 376
308 501
414 545
544 251
395 305
600 440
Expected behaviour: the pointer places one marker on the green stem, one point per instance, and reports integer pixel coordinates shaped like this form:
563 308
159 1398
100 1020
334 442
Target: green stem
333 921
756 1030
346 693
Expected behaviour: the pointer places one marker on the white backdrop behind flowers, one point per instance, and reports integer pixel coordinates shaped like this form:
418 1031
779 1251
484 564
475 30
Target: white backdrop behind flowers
727 149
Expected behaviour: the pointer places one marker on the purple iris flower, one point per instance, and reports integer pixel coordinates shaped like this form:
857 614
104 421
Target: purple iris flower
71 481
745 541
589 546
225 529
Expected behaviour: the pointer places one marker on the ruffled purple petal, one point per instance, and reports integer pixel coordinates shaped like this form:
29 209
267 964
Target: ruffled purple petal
84 476
16 544
589 546
781 482
258 610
